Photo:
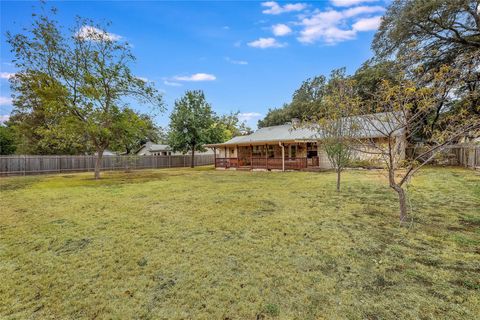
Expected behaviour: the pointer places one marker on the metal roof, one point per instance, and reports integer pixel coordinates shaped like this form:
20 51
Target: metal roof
374 128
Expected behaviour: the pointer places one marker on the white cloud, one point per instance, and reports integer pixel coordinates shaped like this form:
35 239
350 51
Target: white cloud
6 75
237 44
349 3
356 11
241 62
246 116
5 101
95 34
266 43
142 78
172 84
367 24
281 29
333 26
196 77
4 118
275 8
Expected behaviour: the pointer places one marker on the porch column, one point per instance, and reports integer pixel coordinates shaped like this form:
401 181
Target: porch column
266 157
226 161
237 161
283 156
251 157
215 156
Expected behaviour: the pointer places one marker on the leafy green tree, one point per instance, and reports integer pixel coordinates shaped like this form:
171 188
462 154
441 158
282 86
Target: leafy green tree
137 130
371 74
276 116
431 34
232 126
193 124
438 30
80 83
7 140
306 104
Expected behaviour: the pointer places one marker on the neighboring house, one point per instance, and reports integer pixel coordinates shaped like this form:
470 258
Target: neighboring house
152 149
288 147
107 153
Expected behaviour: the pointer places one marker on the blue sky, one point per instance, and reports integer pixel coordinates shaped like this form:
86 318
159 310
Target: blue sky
247 56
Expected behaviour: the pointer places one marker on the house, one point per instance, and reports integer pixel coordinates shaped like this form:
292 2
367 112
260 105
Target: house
107 153
152 149
291 147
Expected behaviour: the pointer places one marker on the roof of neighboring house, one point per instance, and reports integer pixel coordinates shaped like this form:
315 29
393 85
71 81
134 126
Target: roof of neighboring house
374 128
153 147
159 147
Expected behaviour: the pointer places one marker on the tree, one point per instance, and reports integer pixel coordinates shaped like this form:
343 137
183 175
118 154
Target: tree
371 74
193 124
137 130
306 104
335 125
431 34
80 83
7 140
438 30
275 117
232 125
409 107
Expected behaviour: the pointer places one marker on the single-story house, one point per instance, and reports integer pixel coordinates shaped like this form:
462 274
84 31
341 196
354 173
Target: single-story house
152 149
288 147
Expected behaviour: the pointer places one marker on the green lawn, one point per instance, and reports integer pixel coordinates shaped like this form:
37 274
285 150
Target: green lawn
206 244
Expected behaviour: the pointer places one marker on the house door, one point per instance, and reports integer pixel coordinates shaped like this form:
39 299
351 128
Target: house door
244 156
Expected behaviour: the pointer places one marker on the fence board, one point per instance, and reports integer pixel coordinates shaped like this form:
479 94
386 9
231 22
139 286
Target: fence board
455 155
26 165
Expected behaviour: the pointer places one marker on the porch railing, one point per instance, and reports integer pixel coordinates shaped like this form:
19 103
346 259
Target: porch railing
291 163
226 162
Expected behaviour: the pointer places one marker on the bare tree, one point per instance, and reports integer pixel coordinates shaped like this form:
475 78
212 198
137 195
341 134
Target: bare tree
335 126
404 112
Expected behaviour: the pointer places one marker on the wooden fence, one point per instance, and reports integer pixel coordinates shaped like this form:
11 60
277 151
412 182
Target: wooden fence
26 165
456 155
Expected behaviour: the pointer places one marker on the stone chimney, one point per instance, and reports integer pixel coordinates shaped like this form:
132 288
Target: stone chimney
295 122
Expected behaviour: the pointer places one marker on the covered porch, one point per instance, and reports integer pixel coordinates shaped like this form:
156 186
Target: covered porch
274 156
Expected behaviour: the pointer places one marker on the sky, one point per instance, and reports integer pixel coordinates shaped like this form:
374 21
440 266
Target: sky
247 56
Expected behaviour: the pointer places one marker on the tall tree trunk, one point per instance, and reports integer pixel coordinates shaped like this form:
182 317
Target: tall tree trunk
192 162
98 163
402 199
338 179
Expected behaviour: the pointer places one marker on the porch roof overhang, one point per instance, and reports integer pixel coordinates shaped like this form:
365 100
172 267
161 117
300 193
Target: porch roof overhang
258 143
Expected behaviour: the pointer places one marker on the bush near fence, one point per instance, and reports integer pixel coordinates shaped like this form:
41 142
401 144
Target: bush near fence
34 164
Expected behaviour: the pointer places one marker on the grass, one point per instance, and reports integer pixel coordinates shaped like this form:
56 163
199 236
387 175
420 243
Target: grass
203 244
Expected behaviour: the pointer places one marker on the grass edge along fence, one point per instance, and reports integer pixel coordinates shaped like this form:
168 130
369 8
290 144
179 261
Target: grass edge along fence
462 155
35 164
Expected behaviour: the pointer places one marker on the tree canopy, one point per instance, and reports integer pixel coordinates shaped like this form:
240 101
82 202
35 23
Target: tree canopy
71 91
193 124
427 35
306 101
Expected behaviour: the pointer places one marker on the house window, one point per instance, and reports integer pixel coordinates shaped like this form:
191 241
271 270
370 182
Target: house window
271 151
293 151
257 150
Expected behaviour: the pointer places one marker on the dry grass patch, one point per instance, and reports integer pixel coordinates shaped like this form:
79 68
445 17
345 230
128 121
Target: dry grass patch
202 244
